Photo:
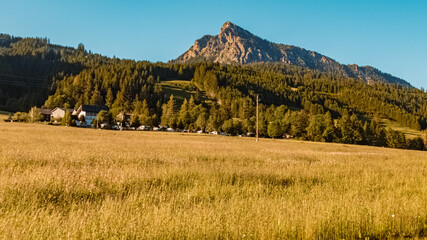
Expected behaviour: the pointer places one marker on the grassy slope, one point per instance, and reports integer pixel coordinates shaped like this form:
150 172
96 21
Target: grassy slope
58 182
180 89
409 132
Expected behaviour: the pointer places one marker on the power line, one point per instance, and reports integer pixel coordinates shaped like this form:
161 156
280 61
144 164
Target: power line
16 76
23 84
20 81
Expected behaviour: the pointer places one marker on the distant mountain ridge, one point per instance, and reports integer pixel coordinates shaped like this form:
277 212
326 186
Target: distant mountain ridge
234 44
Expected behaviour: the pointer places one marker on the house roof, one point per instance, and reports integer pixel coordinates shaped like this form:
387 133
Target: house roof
63 109
126 114
45 111
92 108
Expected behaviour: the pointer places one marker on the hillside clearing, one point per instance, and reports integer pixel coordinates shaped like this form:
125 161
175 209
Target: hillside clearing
59 182
409 133
181 89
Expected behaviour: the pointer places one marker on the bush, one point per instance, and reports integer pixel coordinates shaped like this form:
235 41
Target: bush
66 120
9 118
104 117
20 117
35 115
416 143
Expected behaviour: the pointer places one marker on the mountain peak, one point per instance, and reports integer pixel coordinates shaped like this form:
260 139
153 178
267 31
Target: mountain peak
234 44
232 29
228 26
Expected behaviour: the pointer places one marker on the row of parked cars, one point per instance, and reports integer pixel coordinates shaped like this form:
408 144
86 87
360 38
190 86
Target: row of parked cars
168 129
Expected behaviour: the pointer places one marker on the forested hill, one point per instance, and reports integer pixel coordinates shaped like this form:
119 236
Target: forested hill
234 44
30 67
306 103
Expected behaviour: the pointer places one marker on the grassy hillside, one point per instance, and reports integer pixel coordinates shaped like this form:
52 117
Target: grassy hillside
409 132
58 182
182 89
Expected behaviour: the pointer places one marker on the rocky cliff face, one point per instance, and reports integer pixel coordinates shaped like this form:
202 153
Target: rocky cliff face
234 44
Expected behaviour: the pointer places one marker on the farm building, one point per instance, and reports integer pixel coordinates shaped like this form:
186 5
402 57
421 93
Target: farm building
46 114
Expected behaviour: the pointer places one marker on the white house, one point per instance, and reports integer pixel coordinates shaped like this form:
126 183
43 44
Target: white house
59 112
89 112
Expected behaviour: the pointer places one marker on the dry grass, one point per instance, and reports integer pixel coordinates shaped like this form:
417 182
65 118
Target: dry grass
58 182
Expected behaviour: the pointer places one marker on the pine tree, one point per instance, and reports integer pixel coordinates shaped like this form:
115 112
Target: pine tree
184 117
144 114
201 121
169 113
109 98
329 134
96 98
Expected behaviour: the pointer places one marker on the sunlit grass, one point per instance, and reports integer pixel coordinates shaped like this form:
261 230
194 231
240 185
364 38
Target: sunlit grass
58 182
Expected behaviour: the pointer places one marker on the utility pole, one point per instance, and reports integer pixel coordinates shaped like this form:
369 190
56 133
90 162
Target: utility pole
257 96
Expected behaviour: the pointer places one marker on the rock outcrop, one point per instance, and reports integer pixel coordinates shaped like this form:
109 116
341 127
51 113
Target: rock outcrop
234 44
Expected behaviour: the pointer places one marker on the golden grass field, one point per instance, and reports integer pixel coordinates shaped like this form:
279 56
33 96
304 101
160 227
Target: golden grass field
70 183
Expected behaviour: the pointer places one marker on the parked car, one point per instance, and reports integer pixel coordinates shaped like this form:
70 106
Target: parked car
144 128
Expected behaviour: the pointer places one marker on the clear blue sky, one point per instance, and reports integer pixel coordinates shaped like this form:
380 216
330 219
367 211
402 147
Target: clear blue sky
387 34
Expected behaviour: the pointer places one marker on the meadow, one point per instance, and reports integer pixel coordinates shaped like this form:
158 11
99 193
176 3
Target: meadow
69 183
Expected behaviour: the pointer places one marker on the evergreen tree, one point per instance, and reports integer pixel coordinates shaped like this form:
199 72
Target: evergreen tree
329 134
201 121
109 100
351 129
169 113
184 117
96 98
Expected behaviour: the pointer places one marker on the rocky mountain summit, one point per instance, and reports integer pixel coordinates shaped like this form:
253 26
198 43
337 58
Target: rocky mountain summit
234 44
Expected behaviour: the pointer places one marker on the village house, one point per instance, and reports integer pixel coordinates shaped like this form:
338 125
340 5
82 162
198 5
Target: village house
46 114
124 118
89 112
58 113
